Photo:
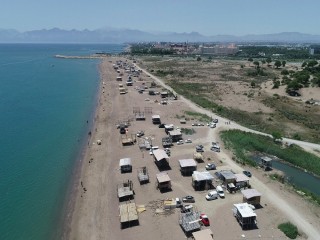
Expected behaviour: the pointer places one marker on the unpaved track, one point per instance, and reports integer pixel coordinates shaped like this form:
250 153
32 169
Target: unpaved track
291 212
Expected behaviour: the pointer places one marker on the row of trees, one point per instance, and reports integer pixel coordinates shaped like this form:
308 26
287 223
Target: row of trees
277 63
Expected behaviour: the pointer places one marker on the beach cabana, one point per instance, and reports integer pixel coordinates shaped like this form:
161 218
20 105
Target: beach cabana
175 135
128 215
161 158
125 165
245 215
251 196
156 119
187 166
242 180
202 180
227 176
164 181
266 163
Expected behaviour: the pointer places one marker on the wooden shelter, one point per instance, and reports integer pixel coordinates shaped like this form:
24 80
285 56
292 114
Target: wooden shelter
161 157
251 196
125 191
187 166
241 181
128 215
266 163
163 181
202 180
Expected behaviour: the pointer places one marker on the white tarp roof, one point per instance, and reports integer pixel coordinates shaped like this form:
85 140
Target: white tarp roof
175 133
240 177
245 210
160 154
155 116
187 163
163 177
201 176
125 161
250 193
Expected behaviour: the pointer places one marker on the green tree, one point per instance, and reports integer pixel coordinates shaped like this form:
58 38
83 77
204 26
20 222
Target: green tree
268 60
277 64
250 60
263 62
276 135
284 72
284 63
312 63
304 64
198 59
256 63
253 84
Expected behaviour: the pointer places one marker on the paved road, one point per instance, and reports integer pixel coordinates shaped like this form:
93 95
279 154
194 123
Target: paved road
288 210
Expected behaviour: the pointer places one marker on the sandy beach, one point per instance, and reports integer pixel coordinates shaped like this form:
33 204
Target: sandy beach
95 213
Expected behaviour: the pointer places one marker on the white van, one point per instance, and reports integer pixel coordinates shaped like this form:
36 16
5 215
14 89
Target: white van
212 195
220 191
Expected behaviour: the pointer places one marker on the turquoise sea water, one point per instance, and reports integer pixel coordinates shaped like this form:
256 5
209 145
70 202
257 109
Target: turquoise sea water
45 103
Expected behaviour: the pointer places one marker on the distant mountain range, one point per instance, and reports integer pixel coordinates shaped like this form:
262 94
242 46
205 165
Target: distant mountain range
108 35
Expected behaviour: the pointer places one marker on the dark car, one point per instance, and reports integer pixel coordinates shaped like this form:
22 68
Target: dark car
210 166
162 125
188 199
247 173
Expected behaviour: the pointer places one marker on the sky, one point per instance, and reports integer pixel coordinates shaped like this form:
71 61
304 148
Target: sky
208 17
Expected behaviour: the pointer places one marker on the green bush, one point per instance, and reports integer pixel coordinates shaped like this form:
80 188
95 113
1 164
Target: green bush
290 230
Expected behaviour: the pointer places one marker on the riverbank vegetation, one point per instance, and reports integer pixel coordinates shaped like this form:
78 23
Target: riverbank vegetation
244 144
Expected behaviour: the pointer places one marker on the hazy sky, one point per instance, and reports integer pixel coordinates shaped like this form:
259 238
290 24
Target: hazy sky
208 17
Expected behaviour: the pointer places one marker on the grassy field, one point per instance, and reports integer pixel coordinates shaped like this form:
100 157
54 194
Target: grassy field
198 81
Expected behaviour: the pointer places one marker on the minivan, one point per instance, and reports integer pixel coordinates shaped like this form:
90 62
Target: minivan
212 195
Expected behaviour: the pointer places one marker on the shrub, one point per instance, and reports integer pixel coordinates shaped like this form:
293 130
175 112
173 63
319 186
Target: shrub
290 230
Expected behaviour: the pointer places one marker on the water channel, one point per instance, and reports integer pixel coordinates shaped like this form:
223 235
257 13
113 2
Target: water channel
296 176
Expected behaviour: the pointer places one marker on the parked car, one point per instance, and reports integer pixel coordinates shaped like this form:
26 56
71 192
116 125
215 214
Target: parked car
211 166
247 173
212 125
204 219
220 191
180 142
140 133
178 203
188 141
162 125
215 120
188 199
186 208
198 149
212 195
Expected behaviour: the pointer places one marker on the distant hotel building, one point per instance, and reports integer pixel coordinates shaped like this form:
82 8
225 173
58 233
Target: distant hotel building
219 49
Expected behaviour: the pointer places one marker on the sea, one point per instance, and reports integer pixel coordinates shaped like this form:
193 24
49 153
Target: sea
46 109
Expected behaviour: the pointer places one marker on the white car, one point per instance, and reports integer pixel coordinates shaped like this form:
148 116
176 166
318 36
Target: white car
212 195
180 142
188 141
220 191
